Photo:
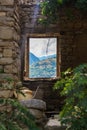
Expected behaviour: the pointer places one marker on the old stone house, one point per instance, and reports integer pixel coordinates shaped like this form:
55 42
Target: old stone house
18 22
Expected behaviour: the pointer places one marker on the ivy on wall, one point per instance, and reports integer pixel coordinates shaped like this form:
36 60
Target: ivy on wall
50 8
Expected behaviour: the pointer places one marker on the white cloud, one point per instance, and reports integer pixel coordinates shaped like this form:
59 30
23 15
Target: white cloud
38 46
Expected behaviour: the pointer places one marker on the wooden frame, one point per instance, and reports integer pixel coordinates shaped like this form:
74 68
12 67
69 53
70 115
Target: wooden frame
58 49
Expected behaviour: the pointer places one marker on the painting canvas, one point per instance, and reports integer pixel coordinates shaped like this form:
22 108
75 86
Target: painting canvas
42 57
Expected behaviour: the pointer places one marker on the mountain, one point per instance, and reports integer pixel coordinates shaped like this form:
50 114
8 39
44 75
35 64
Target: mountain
43 69
33 58
46 57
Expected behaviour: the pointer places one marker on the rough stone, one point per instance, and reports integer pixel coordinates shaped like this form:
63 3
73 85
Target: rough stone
2 14
38 114
4 75
1 55
4 61
7 53
16 36
9 34
15 69
37 109
6 33
35 103
6 44
0 49
6 2
54 124
1 69
8 69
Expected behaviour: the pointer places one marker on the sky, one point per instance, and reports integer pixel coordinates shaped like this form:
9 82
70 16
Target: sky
42 46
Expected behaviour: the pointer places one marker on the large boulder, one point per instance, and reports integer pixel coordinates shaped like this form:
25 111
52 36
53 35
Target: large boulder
37 108
35 104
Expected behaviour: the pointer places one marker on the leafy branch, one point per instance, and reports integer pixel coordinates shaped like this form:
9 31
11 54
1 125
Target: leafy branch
73 85
13 115
50 8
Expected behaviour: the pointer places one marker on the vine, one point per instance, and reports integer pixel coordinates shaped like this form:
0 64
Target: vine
73 85
50 8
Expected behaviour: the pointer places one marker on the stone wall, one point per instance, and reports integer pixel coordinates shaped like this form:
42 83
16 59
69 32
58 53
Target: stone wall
73 43
43 89
73 31
73 39
9 40
30 15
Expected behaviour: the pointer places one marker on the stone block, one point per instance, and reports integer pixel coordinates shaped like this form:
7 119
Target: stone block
54 124
8 69
15 69
6 61
2 14
1 69
7 53
6 33
6 44
6 2
0 49
37 113
16 36
1 55
35 104
3 76
16 44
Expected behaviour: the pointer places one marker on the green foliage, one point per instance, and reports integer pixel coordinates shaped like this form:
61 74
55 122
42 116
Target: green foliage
73 85
82 5
13 115
50 8
1 70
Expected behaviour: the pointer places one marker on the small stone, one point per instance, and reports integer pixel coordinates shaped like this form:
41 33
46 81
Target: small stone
6 2
3 76
2 14
6 44
6 33
54 124
37 113
0 55
4 61
7 53
8 69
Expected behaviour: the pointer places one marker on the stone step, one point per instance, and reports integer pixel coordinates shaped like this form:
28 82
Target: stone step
54 124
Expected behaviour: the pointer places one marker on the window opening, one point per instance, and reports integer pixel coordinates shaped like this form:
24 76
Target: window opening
42 57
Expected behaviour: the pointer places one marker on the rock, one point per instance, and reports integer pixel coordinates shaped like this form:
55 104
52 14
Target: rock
54 124
4 75
37 108
6 61
6 33
7 53
6 2
38 114
8 69
35 104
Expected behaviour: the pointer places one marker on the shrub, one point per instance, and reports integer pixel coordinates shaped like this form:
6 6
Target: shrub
50 9
13 116
73 85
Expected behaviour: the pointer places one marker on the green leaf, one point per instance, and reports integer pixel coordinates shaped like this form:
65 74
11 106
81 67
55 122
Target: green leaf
2 127
74 88
60 1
